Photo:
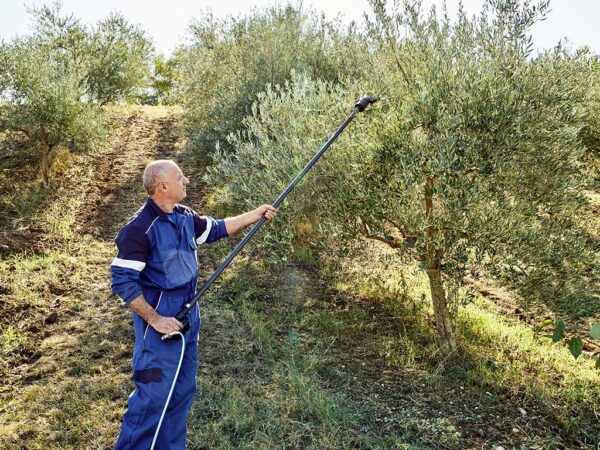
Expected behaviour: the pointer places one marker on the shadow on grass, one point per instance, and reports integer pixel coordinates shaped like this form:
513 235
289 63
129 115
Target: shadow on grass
74 394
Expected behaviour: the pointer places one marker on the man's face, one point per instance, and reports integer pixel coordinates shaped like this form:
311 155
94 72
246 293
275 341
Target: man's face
175 183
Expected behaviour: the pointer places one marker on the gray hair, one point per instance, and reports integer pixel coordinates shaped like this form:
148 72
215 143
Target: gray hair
154 173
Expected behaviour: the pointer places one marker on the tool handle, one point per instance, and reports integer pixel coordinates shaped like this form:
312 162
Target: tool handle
183 318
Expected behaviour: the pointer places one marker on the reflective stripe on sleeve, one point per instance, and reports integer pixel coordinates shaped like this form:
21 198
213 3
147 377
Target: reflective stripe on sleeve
128 264
204 236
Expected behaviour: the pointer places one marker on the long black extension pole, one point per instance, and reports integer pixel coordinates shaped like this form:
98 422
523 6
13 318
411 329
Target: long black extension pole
182 316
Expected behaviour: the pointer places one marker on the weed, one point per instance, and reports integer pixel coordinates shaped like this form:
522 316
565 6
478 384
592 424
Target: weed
11 339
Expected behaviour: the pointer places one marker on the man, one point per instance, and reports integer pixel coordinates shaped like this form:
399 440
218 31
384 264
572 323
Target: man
156 273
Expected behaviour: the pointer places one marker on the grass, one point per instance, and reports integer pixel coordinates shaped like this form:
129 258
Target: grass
44 274
278 399
56 390
10 340
510 355
497 352
290 411
323 354
62 391
499 358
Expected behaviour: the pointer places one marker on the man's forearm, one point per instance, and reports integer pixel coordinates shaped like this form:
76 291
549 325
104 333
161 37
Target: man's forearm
235 224
160 323
143 309
238 223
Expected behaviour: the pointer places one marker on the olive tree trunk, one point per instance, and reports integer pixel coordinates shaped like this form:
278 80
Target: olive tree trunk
433 258
443 323
44 164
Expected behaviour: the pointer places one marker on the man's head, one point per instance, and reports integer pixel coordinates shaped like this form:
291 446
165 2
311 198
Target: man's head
164 180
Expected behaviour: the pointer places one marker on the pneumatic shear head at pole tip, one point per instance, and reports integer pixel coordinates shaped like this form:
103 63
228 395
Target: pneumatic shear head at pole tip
364 102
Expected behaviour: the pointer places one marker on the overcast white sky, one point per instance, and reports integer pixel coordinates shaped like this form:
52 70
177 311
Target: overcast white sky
166 20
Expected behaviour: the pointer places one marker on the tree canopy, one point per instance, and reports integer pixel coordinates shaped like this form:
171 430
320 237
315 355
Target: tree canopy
53 82
230 61
471 163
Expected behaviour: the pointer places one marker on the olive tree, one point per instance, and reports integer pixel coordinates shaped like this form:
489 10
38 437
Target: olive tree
470 162
42 100
53 82
165 88
118 66
491 134
229 61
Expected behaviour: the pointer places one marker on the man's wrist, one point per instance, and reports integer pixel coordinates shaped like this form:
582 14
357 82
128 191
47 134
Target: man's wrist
144 310
153 317
254 217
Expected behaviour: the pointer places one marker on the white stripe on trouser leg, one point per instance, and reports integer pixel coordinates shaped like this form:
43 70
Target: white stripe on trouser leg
170 392
155 309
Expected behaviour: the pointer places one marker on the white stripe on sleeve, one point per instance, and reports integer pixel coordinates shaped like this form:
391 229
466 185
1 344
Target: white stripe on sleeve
128 264
204 236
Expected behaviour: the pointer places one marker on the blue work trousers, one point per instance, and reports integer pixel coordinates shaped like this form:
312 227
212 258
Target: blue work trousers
155 364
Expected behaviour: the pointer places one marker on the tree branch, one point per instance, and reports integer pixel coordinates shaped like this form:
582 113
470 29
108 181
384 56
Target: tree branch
409 240
24 131
386 240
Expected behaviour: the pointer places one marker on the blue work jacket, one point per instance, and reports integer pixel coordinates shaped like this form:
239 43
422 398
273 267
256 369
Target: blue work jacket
157 252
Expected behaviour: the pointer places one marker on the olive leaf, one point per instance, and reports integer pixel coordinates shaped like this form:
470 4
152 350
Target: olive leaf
559 331
576 346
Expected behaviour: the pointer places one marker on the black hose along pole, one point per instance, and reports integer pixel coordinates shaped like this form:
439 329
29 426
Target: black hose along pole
182 316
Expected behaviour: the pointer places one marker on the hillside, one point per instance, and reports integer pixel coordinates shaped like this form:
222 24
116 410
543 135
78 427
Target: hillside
309 354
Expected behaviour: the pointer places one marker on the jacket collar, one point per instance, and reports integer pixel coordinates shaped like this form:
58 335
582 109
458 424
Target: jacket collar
156 209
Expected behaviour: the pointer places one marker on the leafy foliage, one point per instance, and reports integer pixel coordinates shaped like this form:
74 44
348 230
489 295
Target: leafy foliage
280 138
118 67
230 61
448 170
559 331
166 80
576 346
53 82
477 117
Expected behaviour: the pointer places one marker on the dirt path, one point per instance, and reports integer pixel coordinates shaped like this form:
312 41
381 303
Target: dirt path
116 191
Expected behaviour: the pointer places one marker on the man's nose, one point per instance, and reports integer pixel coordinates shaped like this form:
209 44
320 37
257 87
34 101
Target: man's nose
186 181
